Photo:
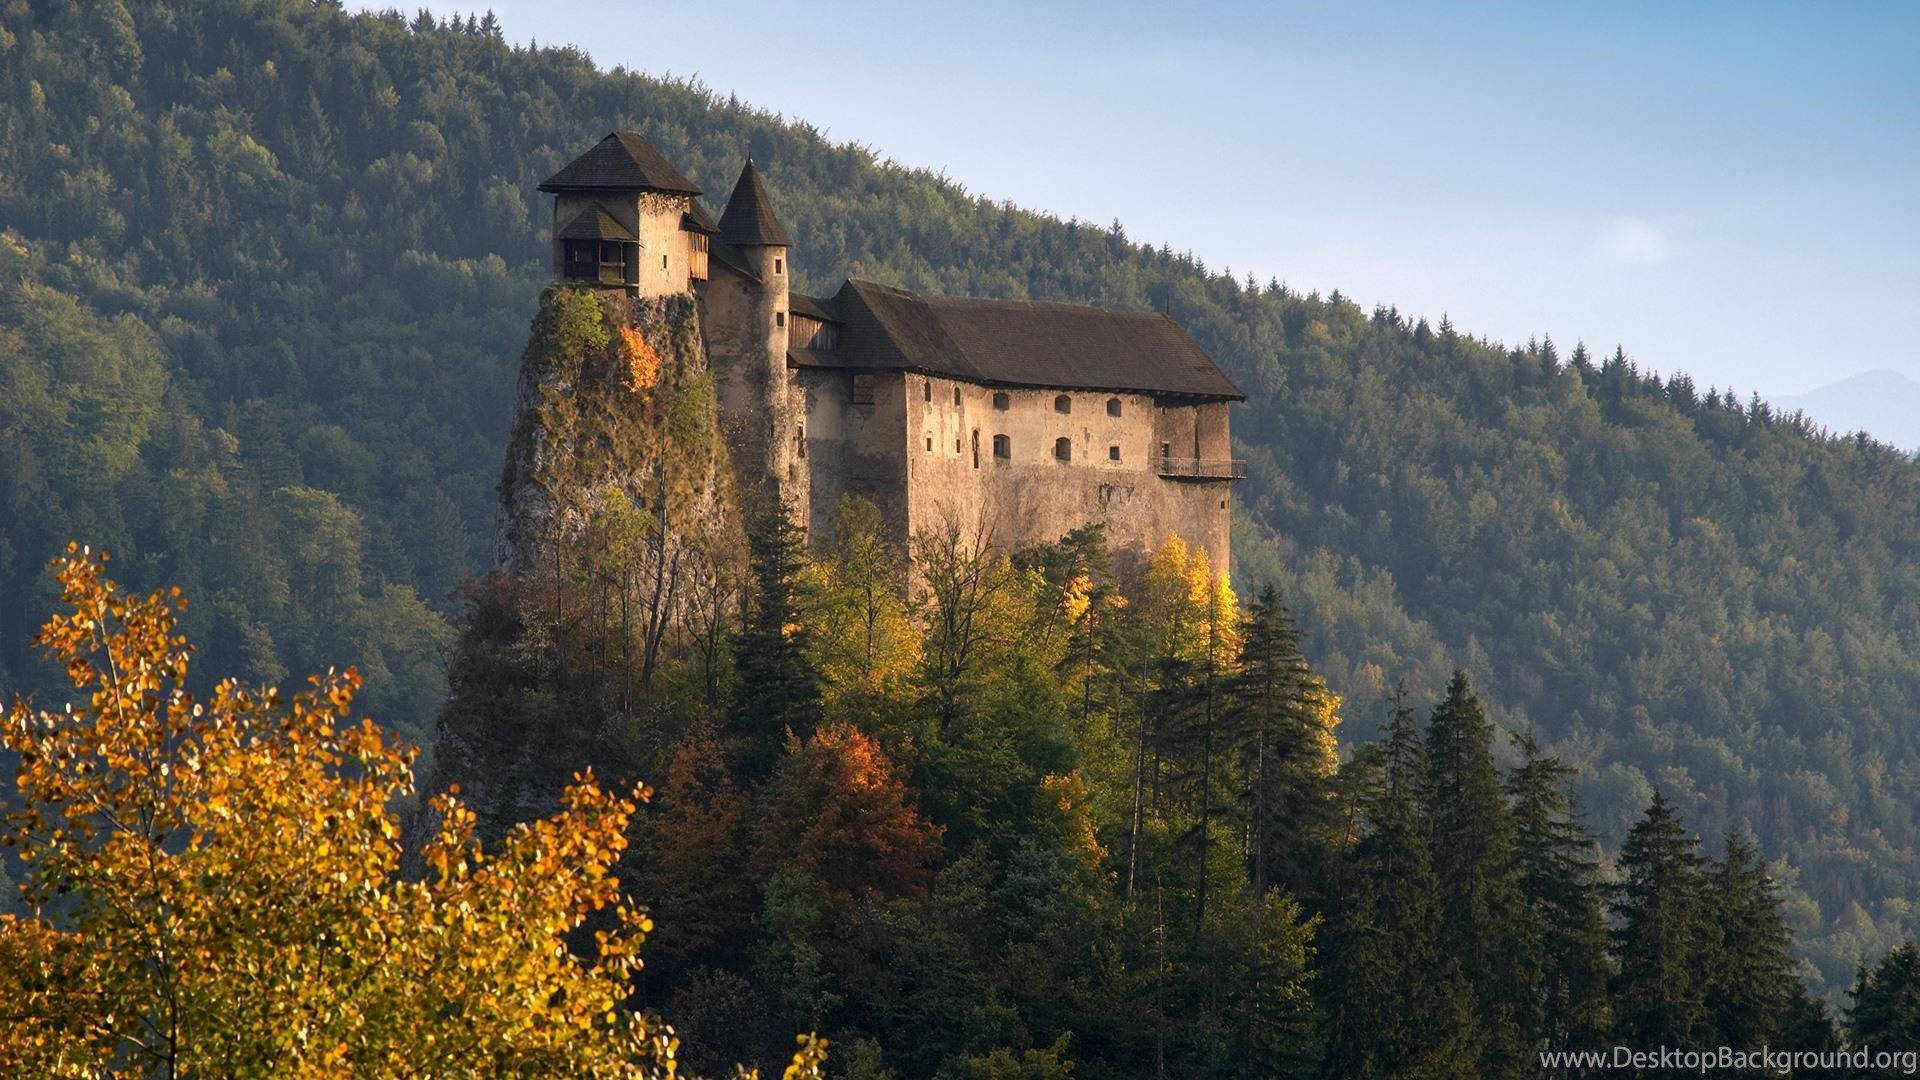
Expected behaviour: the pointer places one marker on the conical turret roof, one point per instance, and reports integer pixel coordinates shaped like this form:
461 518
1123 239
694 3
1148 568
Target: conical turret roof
749 219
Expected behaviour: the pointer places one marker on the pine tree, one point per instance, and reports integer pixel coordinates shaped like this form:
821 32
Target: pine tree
1750 978
778 690
1885 1011
1485 920
1395 1002
1283 717
1560 877
1658 996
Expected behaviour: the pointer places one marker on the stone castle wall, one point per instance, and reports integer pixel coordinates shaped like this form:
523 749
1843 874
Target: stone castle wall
924 451
654 218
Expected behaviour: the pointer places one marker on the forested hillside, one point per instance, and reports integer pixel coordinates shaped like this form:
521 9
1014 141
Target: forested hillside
267 270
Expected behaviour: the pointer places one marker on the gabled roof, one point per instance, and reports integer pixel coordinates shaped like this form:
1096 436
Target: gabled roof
623 161
594 223
1019 343
696 219
749 219
812 307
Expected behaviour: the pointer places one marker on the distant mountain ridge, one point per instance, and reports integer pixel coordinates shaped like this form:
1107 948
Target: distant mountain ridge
1883 403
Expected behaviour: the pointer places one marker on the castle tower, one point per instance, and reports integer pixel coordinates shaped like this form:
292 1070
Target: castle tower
624 217
747 332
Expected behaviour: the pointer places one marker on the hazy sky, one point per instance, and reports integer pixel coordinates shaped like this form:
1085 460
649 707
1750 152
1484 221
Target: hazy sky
1731 190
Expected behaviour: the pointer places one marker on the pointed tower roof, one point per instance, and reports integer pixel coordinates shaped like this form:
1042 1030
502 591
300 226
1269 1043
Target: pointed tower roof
623 161
749 219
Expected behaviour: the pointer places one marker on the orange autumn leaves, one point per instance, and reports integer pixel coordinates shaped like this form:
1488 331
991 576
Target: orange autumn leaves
231 899
642 362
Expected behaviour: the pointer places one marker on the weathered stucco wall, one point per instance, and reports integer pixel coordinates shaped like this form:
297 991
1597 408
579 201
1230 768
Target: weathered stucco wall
760 401
924 452
654 218
857 449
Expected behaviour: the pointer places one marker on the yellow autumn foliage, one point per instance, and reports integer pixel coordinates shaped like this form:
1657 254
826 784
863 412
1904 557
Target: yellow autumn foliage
217 890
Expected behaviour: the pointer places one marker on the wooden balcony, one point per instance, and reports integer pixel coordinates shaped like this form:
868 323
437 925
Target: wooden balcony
1186 468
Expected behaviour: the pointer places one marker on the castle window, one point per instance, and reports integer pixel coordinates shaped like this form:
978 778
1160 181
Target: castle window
976 448
863 389
1000 402
929 444
956 444
1166 450
956 395
800 441
663 262
1113 406
1113 453
779 318
610 253
1063 449
779 265
927 390
1002 446
1063 404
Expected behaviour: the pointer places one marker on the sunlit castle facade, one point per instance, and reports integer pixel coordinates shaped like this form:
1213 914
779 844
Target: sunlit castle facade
1021 421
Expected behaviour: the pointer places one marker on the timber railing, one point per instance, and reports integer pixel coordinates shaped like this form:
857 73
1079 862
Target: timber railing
1201 468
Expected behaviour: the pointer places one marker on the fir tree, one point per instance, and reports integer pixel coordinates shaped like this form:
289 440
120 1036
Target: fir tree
1560 878
1395 1002
1750 979
778 690
1283 715
1658 996
1484 919
1885 1010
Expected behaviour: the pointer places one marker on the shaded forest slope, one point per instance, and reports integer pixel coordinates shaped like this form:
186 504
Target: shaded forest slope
267 271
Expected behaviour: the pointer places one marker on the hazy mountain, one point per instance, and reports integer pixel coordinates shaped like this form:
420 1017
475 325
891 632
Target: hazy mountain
1883 403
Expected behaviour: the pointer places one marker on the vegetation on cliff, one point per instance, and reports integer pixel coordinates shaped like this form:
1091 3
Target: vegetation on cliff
268 265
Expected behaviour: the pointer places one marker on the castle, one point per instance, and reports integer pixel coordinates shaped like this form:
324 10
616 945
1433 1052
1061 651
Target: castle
1020 421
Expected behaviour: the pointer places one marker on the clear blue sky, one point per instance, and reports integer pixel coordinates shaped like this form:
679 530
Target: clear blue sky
1728 189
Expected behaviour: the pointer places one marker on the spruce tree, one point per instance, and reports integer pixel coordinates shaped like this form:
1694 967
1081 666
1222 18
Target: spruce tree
1560 877
1484 920
1750 976
1280 710
1658 993
1395 1002
1885 1011
778 690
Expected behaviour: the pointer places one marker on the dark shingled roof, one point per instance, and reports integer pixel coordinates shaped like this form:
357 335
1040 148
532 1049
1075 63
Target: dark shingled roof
729 256
1018 343
812 307
622 161
595 224
696 219
749 218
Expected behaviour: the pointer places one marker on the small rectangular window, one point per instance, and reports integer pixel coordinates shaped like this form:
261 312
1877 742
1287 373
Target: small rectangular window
956 395
1113 453
927 390
779 318
1000 402
929 444
778 266
1166 449
863 389
1002 447
663 262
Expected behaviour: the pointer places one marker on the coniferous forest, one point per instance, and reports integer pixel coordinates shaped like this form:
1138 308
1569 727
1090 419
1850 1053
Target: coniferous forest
1548 704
